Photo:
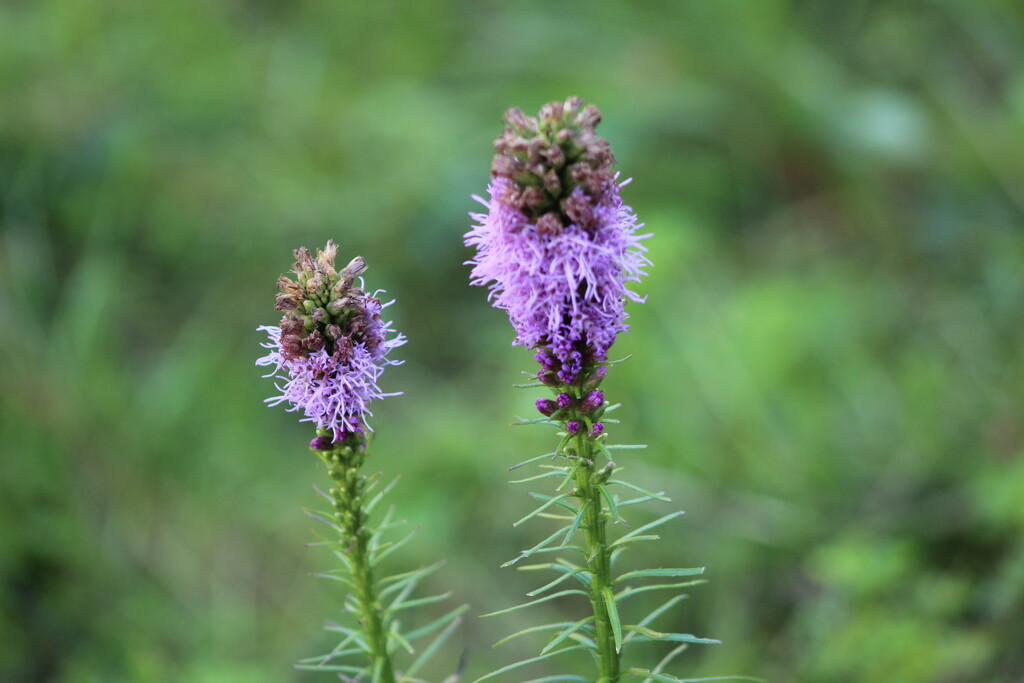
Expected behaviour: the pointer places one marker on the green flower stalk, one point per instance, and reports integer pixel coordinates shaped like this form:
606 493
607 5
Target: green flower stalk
328 353
557 248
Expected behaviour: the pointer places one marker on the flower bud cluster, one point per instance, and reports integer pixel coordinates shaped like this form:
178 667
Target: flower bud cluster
557 164
324 310
579 407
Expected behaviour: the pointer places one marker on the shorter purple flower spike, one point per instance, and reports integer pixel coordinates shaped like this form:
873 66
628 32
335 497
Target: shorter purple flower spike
331 346
592 401
573 427
546 407
565 401
321 443
597 430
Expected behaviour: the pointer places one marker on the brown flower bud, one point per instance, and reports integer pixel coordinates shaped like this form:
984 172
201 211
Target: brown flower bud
313 342
290 288
291 347
549 224
325 257
285 303
291 326
349 273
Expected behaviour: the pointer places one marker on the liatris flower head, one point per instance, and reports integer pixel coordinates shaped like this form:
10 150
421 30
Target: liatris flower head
331 345
557 246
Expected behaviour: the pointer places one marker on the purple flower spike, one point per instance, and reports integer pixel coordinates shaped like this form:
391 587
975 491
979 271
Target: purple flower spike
556 245
596 430
546 407
565 401
321 443
573 427
328 359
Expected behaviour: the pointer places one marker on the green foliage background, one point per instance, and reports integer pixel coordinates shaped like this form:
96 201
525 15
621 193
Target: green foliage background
828 370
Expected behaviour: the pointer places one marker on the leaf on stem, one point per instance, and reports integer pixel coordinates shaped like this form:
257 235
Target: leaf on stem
532 660
640 573
613 616
553 596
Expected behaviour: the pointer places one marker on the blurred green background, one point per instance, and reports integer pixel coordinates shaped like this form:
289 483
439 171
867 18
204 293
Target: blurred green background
829 368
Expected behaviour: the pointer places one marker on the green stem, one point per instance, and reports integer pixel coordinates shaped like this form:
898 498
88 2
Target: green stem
347 496
599 560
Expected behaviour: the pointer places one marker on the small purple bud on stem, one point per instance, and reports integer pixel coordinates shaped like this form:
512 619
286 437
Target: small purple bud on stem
597 430
573 427
547 378
321 443
565 401
592 401
546 406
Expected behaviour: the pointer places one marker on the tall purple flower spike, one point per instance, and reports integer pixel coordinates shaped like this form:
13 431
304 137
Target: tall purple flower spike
331 346
557 246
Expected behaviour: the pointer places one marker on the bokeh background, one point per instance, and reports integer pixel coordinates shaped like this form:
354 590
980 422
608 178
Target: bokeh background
828 368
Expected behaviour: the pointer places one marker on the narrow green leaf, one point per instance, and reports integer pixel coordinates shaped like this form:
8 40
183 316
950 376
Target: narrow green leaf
613 616
630 591
437 623
358 670
566 633
626 446
561 503
430 650
527 462
553 596
323 518
535 421
634 501
560 579
334 577
378 554
559 677
656 523
666 660
675 638
655 613
415 573
380 494
529 385
527 662
533 629
570 473
405 645
665 678
640 573
612 504
542 475
542 508
635 539
418 602
655 496
575 523
536 548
